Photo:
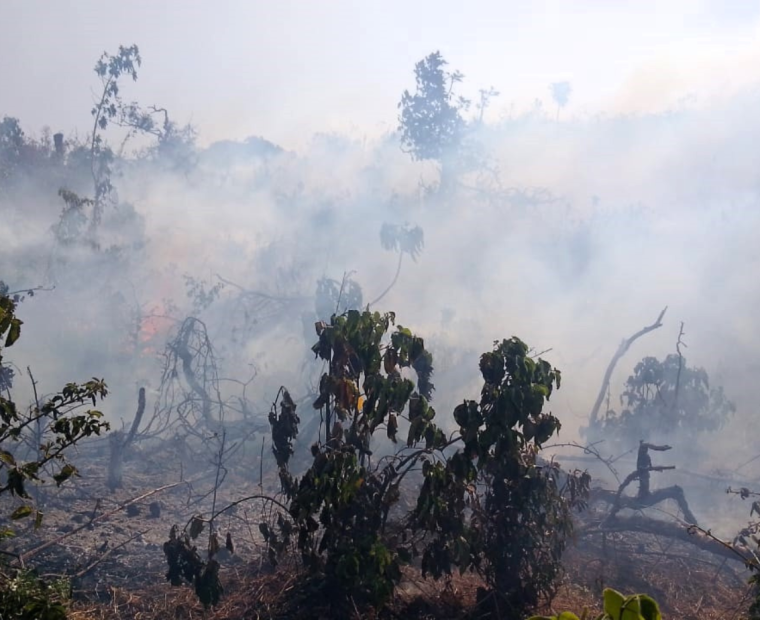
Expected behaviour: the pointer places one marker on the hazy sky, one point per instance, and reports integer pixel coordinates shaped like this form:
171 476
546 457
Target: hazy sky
284 68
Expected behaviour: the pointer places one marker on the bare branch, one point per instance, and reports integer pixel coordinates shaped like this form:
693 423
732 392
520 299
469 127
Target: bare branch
622 350
679 343
104 556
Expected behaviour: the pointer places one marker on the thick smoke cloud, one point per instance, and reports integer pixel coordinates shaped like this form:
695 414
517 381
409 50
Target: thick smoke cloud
590 225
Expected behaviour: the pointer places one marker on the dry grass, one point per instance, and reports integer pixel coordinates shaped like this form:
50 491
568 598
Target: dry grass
688 584
130 583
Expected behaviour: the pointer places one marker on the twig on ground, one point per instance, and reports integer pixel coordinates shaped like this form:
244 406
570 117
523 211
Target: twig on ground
100 559
23 557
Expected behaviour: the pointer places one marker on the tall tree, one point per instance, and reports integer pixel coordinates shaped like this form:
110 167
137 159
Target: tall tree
109 69
431 123
561 94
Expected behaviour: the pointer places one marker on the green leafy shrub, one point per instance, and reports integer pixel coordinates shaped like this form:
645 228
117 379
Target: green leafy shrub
24 596
340 506
515 530
748 539
487 503
52 426
617 607
35 441
666 397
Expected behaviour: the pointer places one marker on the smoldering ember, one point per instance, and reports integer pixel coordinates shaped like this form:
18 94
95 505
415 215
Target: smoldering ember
301 321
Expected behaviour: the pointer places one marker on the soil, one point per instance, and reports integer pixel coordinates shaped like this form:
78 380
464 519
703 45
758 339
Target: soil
114 546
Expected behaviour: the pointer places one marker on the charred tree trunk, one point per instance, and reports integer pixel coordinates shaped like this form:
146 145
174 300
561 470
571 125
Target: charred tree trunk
119 445
116 446
184 354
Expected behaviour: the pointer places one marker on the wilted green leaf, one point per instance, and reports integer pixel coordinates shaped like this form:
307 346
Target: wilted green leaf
21 512
196 527
67 471
14 331
213 545
264 529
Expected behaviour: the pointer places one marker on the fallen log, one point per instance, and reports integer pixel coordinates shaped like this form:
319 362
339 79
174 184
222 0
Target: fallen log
669 529
119 445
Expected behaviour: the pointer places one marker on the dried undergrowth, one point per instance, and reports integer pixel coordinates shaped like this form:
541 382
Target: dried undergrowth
130 581
688 583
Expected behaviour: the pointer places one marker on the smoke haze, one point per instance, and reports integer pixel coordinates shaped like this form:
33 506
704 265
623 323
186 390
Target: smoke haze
582 225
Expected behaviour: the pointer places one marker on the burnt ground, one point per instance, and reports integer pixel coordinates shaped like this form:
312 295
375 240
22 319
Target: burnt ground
113 546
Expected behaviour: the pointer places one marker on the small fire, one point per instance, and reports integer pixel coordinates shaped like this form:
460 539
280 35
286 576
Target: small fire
153 326
154 330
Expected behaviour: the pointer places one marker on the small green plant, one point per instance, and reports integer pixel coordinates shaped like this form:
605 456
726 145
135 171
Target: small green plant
35 441
52 427
24 596
748 539
616 607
